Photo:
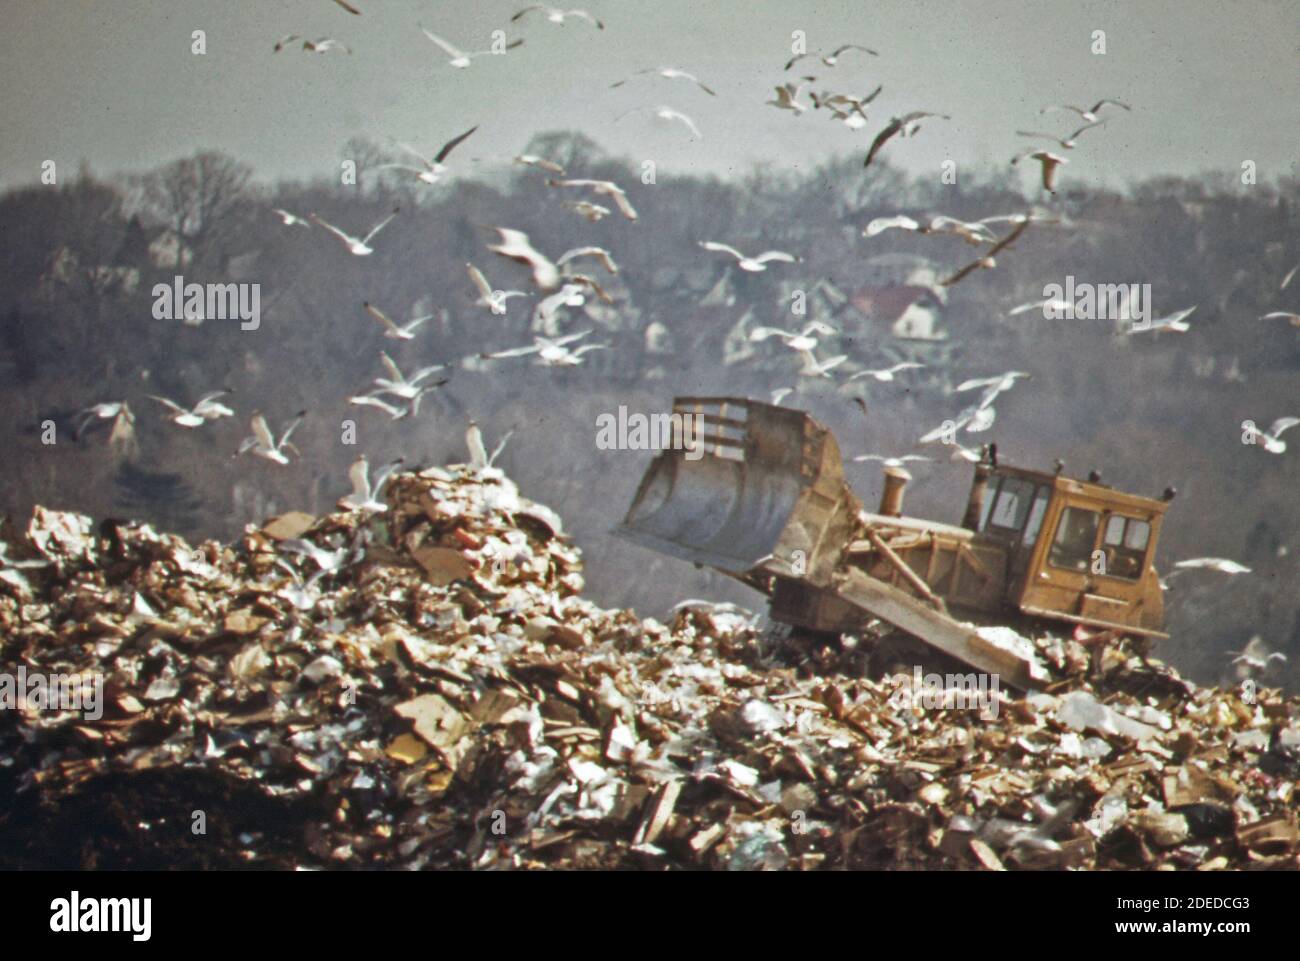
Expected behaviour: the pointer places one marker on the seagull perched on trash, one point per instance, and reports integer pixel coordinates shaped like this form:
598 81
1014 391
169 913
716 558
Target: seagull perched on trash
304 595
358 247
460 59
205 410
365 495
392 330
752 264
429 171
802 341
263 442
887 374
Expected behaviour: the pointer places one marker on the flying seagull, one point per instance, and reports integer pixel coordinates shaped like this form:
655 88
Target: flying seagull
365 495
1220 564
752 264
668 73
787 97
284 41
1176 322
1293 318
395 412
459 58
1069 142
119 412
205 410
592 213
1271 437
1287 279
606 188
891 461
391 329
887 374
1049 161
974 233
547 275
558 16
831 58
430 171
359 248
553 352
493 300
264 444
291 220
348 7
987 262
1056 304
812 367
404 387
667 114
1090 115
532 160
324 45
907 125
802 341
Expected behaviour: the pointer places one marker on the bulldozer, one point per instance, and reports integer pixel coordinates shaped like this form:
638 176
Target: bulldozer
762 498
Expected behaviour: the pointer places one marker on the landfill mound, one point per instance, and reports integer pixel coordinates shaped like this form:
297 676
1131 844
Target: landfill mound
425 687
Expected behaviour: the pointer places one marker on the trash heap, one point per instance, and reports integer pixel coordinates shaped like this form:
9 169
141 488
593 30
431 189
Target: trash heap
426 687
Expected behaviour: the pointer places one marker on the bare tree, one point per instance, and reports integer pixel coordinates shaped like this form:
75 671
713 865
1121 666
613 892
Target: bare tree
194 194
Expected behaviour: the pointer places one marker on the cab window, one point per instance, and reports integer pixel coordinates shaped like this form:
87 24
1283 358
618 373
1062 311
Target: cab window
1036 516
990 495
1125 545
1012 505
1076 532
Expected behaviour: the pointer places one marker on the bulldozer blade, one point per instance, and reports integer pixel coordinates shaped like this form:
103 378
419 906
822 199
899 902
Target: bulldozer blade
755 485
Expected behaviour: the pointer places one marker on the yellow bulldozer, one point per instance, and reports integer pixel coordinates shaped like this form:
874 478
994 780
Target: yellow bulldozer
758 492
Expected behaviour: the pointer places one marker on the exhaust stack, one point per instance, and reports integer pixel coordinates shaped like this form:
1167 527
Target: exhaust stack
891 500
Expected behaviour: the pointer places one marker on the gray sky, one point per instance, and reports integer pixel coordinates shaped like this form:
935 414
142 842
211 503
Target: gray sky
114 81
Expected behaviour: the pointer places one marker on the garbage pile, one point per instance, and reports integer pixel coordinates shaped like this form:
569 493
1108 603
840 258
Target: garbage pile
426 687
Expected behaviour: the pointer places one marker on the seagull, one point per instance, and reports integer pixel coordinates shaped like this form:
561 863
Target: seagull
291 220
887 374
993 385
570 295
117 411
205 410
404 387
360 248
1056 304
1090 115
552 352
855 115
667 114
907 125
302 595
459 58
787 97
780 394
326 561
987 262
1049 161
592 213
975 233
348 7
1286 281
1068 142
546 272
812 367
975 419
891 461
285 41
532 160
365 495
972 455
802 341
558 16
1257 663
833 57
1220 564
479 459
751 264
324 45
433 170
391 329
1271 440
412 408
668 73
606 188
1293 318
493 300
264 444
1175 322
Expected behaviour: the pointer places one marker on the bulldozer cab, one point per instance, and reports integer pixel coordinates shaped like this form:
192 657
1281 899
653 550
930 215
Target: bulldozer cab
1077 550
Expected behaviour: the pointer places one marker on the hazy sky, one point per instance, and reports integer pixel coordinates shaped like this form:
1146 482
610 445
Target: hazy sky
1212 83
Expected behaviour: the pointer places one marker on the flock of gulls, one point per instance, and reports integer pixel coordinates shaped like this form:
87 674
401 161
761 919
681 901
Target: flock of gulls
567 279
